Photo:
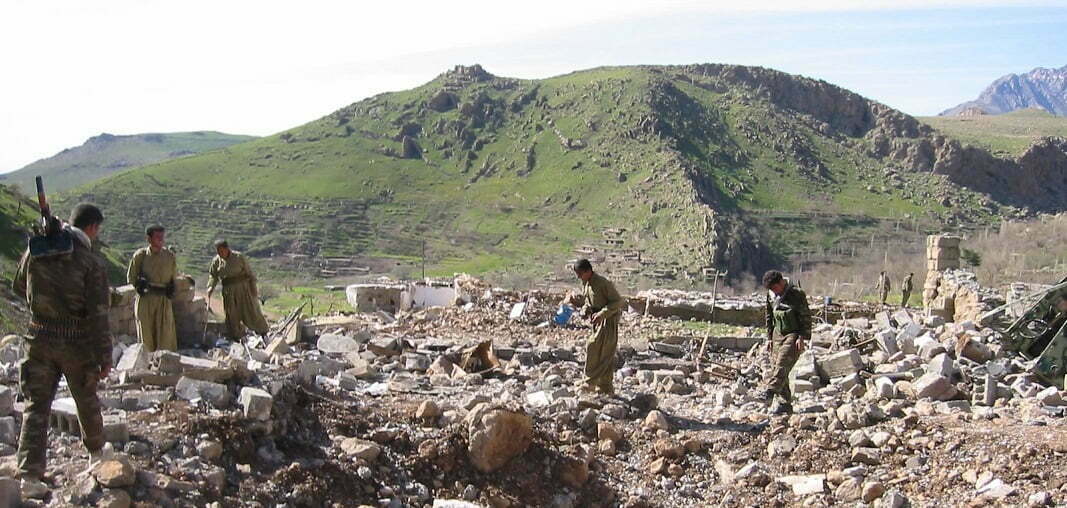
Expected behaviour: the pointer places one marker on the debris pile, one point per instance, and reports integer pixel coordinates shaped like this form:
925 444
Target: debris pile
466 405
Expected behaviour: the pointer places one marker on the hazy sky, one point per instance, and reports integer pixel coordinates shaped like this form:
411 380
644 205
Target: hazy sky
72 69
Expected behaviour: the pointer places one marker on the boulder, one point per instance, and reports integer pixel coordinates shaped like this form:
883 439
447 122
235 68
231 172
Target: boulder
497 435
115 473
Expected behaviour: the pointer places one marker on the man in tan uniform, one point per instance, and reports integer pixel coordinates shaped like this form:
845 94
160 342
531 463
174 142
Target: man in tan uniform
604 306
883 287
152 271
240 296
65 286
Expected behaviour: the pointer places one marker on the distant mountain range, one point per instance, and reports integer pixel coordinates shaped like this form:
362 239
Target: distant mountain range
1040 88
105 154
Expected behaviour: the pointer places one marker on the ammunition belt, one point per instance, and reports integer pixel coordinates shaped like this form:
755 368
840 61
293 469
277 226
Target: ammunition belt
58 328
156 290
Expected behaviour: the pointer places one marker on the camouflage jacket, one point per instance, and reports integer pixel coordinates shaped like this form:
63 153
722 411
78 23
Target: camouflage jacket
70 290
788 313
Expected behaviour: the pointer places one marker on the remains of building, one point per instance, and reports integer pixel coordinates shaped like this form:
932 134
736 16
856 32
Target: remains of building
463 395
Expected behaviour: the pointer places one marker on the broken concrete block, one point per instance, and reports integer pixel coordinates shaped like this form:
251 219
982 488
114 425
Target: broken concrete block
942 365
384 346
7 400
928 347
840 364
256 403
887 340
884 388
216 394
934 386
667 349
1049 396
9 433
133 358
337 344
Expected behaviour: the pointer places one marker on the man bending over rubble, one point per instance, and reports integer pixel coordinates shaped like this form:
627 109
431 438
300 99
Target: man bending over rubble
787 311
240 296
65 284
604 306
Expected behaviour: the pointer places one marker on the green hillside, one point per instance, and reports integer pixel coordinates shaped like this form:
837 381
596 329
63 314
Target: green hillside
1007 135
105 154
659 170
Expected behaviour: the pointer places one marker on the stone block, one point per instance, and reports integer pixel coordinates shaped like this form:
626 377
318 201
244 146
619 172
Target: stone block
216 394
667 349
337 344
928 347
887 341
884 388
133 358
840 364
934 386
942 365
7 400
9 432
256 403
943 241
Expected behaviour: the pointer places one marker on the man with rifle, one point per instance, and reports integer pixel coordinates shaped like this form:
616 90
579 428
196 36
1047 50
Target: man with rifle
65 285
152 271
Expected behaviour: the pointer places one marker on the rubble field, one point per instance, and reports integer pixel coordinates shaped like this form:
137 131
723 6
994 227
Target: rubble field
481 405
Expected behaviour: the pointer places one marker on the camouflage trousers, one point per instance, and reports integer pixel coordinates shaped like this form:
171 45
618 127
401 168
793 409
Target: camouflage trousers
784 356
600 355
43 361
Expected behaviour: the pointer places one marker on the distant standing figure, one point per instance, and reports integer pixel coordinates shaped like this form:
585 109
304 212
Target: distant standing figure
603 305
240 296
152 271
883 287
905 290
787 312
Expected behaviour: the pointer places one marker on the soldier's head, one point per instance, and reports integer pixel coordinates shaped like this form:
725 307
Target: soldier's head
583 269
222 248
88 218
774 281
155 234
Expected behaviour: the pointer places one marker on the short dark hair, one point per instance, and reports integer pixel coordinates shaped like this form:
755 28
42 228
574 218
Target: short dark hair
221 243
86 214
583 265
771 278
151 230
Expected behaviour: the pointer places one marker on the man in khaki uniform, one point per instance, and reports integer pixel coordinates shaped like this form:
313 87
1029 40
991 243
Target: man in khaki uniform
152 271
905 290
604 306
883 287
787 311
65 285
240 296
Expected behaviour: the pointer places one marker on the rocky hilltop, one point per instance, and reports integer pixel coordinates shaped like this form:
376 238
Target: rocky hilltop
655 171
1040 88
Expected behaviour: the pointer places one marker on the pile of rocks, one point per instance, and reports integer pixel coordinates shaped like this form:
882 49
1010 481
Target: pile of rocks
422 408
